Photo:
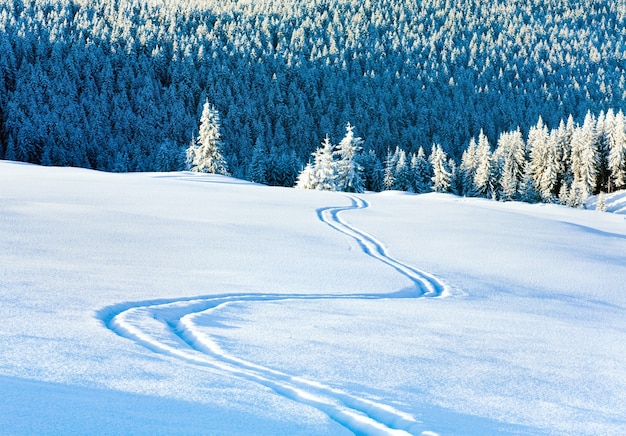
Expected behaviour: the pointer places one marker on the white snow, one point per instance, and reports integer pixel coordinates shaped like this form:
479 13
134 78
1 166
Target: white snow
195 304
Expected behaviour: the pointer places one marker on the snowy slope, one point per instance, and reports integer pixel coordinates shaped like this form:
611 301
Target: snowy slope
191 304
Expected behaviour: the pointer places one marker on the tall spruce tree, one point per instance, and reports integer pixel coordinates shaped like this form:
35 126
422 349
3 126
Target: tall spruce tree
467 170
617 153
605 124
205 156
389 175
583 162
511 158
422 172
483 183
348 170
442 175
539 157
547 182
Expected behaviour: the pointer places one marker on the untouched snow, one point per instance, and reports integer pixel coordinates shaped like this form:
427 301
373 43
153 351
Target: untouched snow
195 304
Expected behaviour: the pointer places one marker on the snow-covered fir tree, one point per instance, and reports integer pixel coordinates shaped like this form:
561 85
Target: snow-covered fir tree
205 156
604 129
402 172
546 180
510 157
541 160
348 170
467 170
562 138
583 162
335 168
442 176
306 178
321 174
391 163
421 172
483 181
617 153
452 167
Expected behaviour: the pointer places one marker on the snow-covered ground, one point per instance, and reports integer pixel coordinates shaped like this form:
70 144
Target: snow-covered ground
193 304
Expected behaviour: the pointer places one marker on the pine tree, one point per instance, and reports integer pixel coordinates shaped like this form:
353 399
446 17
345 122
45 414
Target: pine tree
284 167
605 129
547 179
306 178
402 176
325 169
529 194
467 170
204 156
483 185
389 175
564 195
583 162
453 177
422 172
441 170
321 174
510 156
257 171
372 170
348 169
563 143
169 157
539 157
617 152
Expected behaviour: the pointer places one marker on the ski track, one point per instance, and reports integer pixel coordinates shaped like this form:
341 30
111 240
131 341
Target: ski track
169 327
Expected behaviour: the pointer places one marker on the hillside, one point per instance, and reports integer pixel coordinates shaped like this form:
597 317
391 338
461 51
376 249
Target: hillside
201 304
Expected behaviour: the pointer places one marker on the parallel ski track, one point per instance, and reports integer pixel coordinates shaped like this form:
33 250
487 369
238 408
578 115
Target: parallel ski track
169 327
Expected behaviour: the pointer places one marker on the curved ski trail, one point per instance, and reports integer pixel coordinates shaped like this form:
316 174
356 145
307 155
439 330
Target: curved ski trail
171 328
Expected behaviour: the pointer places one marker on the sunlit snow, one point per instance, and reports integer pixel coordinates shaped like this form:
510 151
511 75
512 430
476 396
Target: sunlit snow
181 303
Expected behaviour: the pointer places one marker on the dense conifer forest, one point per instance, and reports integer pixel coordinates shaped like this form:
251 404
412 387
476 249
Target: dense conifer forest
120 85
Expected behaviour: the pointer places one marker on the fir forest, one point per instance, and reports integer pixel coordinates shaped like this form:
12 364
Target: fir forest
511 100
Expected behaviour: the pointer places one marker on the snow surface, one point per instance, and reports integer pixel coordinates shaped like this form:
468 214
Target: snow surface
197 304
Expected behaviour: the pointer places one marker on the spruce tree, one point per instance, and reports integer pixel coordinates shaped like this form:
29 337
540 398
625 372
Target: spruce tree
348 170
617 152
547 178
442 175
467 170
511 158
306 178
205 156
372 170
321 174
605 125
539 156
583 162
422 172
257 171
402 176
389 176
482 184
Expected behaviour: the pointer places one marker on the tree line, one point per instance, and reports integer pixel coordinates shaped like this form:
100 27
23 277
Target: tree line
563 165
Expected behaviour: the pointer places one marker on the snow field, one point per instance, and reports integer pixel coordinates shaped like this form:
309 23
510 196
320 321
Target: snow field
282 323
